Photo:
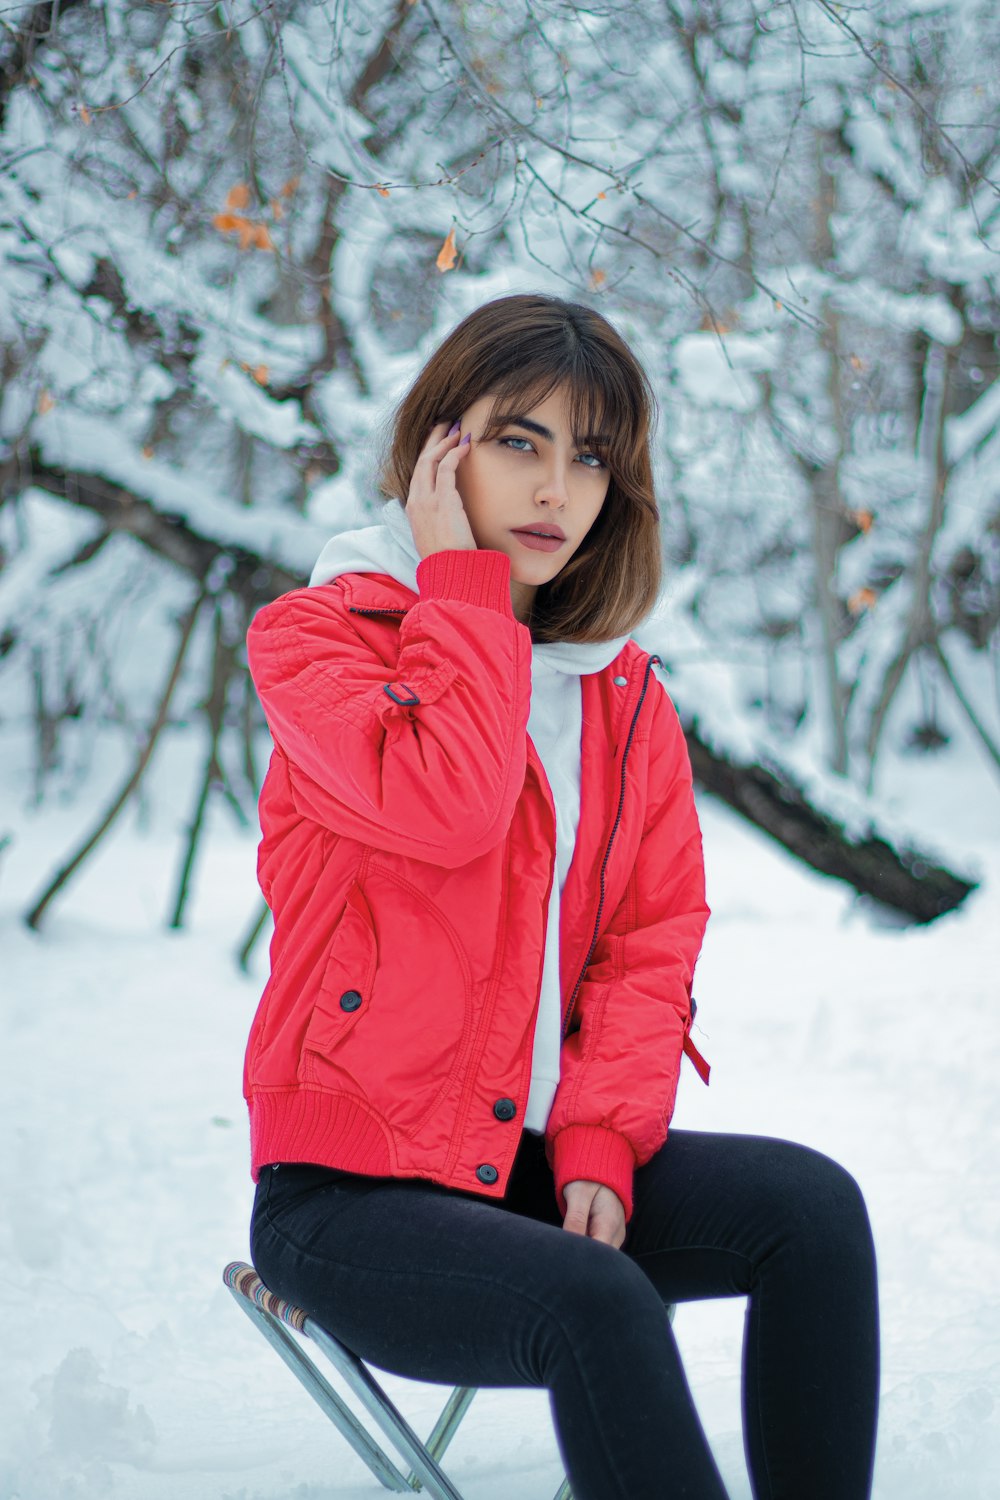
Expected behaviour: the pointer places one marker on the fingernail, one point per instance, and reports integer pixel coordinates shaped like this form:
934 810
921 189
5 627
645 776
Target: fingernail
466 439
456 427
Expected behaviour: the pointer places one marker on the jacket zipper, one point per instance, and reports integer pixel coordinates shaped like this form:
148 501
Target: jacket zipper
352 610
607 853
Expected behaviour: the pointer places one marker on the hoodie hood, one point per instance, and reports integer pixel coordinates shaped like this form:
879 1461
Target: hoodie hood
388 547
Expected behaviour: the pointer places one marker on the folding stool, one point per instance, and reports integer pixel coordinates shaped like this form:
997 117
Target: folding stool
274 1317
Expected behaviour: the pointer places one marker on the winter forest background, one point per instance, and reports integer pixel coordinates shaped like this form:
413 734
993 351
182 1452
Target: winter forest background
229 235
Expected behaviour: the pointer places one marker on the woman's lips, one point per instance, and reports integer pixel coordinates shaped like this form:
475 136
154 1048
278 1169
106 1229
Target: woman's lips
538 543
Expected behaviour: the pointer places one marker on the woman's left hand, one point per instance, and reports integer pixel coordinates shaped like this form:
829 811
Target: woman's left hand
594 1210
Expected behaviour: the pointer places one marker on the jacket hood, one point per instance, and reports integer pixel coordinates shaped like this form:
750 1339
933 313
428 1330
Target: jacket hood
388 547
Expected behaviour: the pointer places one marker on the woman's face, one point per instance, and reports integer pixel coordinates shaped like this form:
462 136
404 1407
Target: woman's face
534 472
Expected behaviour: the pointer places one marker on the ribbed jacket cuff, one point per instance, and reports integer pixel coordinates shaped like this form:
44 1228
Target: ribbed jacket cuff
477 577
597 1155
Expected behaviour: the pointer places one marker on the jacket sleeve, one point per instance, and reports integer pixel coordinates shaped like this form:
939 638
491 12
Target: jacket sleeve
435 776
619 1069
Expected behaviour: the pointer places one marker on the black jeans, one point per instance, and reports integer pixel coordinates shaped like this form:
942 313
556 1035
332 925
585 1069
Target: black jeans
440 1285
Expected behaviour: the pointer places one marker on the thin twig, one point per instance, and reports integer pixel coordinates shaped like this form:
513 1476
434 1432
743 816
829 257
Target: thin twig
214 706
250 941
992 748
62 876
917 631
970 170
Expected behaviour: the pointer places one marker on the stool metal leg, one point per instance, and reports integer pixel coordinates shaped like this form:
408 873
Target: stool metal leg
393 1424
324 1395
446 1426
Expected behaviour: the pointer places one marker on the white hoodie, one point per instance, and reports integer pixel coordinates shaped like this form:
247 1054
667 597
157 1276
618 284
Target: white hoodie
554 727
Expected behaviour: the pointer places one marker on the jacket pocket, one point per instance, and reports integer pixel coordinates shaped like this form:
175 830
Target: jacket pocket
345 990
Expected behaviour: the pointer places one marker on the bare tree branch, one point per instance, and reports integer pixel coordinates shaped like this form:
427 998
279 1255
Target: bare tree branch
834 14
65 873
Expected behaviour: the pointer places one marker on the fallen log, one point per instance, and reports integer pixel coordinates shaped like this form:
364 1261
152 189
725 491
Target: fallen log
901 878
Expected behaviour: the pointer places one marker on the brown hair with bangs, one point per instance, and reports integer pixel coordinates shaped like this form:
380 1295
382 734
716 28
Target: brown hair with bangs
518 349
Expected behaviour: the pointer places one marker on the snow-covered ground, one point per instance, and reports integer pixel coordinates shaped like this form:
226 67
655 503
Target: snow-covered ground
127 1369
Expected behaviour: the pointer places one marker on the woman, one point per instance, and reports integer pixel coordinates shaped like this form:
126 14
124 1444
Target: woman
482 855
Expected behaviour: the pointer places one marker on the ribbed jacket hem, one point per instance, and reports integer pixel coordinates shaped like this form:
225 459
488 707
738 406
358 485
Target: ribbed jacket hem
477 577
594 1154
307 1125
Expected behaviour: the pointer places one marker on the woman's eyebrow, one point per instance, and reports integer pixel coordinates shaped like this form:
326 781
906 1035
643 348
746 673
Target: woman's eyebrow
550 437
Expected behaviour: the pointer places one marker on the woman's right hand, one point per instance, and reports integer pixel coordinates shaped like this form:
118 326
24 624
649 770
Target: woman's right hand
434 507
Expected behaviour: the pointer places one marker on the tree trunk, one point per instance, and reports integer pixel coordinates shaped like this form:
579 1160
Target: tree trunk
903 879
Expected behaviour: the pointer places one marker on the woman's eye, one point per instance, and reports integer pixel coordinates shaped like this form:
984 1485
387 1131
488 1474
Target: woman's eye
524 445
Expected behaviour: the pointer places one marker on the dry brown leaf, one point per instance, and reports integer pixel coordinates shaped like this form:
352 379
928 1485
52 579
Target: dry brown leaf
259 373
289 187
249 232
238 196
721 326
276 209
861 600
863 520
447 255
602 195
597 277
85 114
45 403
383 192
148 451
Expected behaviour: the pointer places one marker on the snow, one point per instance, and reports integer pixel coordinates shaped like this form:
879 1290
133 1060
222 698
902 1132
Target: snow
279 423
128 1369
974 426
870 137
94 445
877 306
709 367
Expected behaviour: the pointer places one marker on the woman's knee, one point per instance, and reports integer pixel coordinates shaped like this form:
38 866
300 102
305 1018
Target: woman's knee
601 1293
818 1201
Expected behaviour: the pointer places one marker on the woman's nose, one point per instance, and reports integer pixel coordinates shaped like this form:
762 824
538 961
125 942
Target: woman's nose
554 486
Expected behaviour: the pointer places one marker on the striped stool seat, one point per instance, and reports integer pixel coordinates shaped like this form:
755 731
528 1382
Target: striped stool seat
279 1321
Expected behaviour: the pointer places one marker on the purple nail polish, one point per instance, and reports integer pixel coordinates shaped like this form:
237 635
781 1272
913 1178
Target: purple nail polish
456 427
466 439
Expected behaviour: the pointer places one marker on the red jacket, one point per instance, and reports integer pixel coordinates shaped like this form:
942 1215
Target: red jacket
407 854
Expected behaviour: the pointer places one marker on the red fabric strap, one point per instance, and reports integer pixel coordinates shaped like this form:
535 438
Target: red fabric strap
701 1066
